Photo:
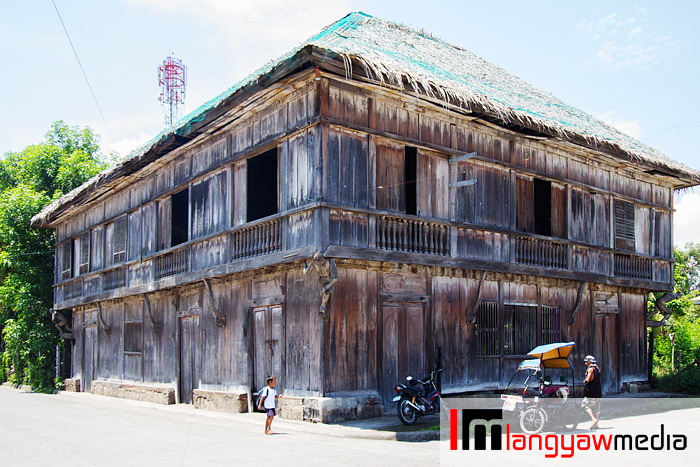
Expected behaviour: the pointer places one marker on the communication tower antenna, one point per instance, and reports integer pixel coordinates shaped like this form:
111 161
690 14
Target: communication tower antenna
172 77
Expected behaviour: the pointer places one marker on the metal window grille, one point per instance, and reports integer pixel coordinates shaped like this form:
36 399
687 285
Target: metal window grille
519 329
487 330
551 324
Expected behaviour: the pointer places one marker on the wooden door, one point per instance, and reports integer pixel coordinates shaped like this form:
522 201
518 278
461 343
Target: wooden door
269 346
89 357
189 352
403 346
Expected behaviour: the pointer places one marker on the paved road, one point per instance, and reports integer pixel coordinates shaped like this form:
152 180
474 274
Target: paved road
77 429
83 429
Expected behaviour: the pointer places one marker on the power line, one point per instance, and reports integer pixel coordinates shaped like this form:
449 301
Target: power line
671 128
84 74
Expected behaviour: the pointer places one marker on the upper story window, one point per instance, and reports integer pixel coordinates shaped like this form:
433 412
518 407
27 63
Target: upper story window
262 185
173 220
624 226
397 173
119 239
541 207
179 215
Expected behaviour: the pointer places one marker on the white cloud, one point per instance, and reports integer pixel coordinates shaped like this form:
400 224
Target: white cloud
630 127
686 221
629 44
268 21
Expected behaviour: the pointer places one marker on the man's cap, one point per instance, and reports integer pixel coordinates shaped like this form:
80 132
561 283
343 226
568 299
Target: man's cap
589 358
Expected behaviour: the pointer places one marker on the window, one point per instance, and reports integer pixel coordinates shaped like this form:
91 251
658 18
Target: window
487 330
133 338
119 238
411 179
624 226
523 328
551 324
67 260
179 215
84 264
520 329
543 207
262 185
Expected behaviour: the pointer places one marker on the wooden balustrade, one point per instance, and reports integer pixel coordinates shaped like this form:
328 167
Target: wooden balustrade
632 267
73 289
172 263
114 278
538 252
413 236
257 240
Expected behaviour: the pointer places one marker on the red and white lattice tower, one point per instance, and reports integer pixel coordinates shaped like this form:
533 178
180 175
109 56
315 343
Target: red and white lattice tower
172 77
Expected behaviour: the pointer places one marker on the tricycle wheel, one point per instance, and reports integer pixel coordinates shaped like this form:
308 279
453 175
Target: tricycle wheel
407 414
532 420
569 418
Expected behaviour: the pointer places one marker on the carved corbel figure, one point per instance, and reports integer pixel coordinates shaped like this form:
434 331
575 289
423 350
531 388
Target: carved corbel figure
571 314
328 275
62 324
471 315
219 317
660 306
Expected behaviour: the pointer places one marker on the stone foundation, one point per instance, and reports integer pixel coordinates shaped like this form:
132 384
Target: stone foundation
330 409
156 394
220 401
72 385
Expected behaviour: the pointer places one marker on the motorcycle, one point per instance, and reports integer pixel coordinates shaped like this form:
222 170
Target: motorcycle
417 398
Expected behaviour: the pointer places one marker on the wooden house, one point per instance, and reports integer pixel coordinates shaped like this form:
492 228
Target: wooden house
371 204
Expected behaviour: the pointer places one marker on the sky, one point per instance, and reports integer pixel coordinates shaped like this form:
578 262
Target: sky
635 65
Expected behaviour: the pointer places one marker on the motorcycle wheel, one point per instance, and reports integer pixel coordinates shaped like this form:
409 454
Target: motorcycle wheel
532 420
407 414
569 418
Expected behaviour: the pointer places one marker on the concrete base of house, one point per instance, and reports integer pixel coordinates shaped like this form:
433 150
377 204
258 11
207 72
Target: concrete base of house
72 385
220 401
156 394
330 409
302 408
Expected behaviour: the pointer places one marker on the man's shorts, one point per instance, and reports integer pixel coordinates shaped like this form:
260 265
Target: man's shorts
271 412
592 403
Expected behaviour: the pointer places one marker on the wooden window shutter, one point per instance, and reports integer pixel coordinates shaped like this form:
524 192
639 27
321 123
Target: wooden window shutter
624 226
67 260
84 253
119 240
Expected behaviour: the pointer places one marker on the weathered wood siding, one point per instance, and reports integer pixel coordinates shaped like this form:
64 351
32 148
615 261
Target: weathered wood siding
350 342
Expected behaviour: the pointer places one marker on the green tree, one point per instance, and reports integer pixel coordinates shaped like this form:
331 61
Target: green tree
29 180
677 345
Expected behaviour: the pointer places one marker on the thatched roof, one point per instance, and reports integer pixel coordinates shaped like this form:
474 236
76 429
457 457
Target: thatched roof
403 58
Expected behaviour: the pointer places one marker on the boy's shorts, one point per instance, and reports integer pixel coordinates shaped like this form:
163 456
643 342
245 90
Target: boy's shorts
271 412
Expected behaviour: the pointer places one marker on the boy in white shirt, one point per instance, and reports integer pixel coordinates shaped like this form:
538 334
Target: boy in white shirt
267 401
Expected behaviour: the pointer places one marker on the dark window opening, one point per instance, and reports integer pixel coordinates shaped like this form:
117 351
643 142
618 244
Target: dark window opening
262 185
543 207
411 179
179 204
